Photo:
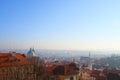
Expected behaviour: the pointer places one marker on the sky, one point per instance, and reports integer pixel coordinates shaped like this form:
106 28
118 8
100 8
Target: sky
60 24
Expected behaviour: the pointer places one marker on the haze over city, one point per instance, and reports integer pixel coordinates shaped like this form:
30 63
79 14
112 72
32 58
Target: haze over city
60 24
59 39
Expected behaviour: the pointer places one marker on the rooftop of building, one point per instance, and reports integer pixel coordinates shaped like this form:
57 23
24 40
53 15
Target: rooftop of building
13 58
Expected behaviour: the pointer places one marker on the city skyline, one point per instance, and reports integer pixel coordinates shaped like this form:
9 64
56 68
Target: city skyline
60 24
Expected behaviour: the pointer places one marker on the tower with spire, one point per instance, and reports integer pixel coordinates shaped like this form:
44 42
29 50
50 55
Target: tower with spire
90 63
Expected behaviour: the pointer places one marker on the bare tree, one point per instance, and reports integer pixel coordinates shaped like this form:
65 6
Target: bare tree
38 68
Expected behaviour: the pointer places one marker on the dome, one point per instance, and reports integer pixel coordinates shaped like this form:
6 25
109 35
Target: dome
31 52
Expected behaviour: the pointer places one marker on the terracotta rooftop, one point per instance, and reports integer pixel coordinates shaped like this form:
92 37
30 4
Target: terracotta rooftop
10 59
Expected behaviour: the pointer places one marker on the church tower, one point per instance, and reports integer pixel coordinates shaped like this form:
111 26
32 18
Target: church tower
31 53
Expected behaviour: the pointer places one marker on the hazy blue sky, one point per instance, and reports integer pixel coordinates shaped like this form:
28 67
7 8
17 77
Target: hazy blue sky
60 24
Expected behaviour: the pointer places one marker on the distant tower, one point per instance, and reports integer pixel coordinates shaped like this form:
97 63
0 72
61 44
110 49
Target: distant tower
89 54
31 53
91 66
73 60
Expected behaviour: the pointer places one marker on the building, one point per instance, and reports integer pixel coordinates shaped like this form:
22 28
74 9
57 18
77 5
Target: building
93 75
63 72
31 53
15 66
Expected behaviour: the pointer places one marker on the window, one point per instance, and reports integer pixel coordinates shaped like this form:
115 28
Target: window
71 78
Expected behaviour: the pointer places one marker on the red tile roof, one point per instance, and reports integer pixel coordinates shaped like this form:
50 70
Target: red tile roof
95 74
10 59
61 69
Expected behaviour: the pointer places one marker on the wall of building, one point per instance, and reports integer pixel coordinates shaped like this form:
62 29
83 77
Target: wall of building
71 77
